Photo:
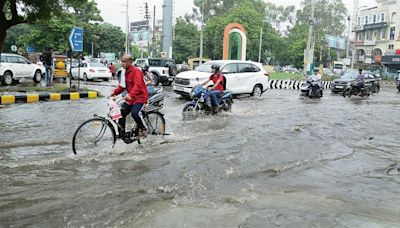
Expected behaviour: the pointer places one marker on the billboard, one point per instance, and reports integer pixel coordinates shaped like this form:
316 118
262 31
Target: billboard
139 26
335 42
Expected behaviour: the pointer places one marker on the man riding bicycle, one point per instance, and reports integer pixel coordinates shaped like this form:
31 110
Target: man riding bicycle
132 81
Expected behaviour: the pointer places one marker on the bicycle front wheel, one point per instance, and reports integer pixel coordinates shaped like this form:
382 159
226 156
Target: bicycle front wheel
155 123
94 136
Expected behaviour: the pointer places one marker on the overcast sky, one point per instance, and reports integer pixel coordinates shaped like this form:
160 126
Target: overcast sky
112 10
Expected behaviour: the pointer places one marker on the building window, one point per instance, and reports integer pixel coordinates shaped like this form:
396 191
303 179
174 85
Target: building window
383 34
393 19
375 36
383 17
367 35
359 36
392 33
374 19
391 46
366 20
359 21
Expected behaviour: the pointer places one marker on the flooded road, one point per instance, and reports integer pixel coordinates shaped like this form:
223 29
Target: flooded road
274 161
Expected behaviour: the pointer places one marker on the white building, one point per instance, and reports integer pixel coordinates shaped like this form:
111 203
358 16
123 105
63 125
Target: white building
377 32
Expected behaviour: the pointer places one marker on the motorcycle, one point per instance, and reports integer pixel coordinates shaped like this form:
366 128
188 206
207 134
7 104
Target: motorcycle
199 104
352 89
312 89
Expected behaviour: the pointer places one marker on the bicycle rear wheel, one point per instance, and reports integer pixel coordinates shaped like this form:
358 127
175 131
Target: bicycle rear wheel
155 123
94 136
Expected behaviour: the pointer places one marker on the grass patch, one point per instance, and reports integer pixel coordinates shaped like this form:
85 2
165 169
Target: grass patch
295 76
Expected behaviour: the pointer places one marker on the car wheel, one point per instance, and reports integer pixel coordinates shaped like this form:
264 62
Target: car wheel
7 78
376 89
37 77
257 91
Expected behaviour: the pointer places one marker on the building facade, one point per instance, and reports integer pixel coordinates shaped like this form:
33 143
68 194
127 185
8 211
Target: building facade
377 32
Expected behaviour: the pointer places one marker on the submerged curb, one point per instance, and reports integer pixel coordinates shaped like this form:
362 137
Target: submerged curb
291 84
35 97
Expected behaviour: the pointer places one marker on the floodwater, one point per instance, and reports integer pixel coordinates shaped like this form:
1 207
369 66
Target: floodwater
274 161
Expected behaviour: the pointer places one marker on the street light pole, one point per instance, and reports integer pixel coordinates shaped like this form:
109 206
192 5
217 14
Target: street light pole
355 37
348 38
201 32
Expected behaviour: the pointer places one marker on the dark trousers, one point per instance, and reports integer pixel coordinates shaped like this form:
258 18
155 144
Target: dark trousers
215 95
135 111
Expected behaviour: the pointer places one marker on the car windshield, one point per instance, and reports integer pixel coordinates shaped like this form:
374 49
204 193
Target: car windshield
349 75
160 62
97 65
206 67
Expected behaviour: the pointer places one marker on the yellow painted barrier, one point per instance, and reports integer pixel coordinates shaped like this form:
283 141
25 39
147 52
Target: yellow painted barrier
32 98
74 96
55 96
92 94
7 99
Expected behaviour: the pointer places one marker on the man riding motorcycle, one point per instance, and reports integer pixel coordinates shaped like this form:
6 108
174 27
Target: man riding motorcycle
217 89
316 77
132 82
360 81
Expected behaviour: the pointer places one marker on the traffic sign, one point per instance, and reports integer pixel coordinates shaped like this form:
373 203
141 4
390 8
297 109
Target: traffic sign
76 39
30 49
14 48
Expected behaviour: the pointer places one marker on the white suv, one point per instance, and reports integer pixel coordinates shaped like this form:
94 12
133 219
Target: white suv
15 67
242 77
163 69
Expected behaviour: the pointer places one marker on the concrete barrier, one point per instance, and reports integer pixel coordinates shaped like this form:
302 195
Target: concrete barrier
35 97
291 84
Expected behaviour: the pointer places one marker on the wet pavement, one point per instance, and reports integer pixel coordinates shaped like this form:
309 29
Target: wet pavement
279 160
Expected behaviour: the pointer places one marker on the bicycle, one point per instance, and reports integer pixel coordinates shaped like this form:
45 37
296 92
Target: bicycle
99 134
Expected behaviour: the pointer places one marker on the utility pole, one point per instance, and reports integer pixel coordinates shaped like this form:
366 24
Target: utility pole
309 52
127 28
147 17
348 37
153 39
201 32
259 51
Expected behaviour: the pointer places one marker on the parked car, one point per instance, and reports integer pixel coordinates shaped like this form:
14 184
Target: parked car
164 69
291 70
14 67
371 79
242 77
329 72
91 71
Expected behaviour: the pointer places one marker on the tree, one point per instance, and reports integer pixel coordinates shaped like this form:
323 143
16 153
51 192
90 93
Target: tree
186 40
329 17
16 12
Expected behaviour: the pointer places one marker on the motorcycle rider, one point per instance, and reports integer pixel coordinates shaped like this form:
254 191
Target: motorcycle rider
148 78
316 77
217 89
360 81
137 95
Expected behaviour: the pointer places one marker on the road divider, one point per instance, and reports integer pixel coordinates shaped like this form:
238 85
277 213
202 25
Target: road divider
291 84
35 97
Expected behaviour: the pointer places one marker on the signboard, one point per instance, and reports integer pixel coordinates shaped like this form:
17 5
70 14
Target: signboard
141 38
335 42
109 56
30 49
369 42
76 39
391 59
138 26
375 26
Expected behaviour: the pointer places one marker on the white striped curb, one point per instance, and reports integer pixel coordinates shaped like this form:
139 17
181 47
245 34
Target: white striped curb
291 84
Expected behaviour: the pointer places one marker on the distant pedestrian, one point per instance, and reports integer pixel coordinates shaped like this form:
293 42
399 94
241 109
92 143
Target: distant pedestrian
47 60
112 69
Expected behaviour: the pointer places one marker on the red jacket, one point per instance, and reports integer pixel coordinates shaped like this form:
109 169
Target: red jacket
135 86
